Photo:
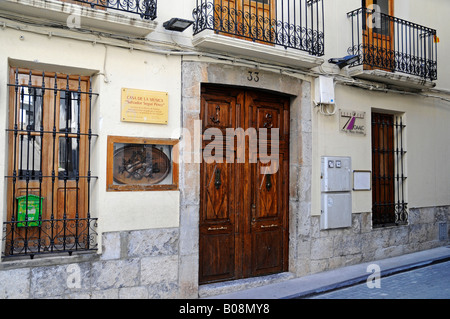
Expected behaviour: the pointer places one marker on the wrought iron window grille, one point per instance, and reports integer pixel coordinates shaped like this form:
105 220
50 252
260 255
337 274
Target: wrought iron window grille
389 206
392 44
44 171
146 9
296 24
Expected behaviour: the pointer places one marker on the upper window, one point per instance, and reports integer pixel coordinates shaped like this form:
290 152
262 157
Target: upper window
49 174
388 43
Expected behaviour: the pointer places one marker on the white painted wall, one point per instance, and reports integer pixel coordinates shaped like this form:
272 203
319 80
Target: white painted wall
112 69
427 132
426 118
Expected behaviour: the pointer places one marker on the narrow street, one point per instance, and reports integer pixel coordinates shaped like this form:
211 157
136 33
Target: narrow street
431 282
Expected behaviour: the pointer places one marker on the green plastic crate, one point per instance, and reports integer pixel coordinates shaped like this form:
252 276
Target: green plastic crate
33 212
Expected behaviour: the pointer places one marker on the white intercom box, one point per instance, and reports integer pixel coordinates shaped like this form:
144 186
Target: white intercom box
336 174
336 197
324 90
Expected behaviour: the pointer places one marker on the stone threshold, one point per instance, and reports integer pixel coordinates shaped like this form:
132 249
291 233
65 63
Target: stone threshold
210 290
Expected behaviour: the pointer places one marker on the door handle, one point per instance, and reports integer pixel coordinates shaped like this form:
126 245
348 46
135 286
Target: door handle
218 181
216 228
269 226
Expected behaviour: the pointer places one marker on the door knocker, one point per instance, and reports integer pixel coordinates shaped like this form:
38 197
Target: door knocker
268 123
218 181
216 119
268 182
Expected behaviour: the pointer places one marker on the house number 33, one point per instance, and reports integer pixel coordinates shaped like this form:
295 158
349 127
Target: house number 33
253 76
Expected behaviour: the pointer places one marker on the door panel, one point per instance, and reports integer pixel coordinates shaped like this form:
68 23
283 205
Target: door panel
268 251
269 218
244 206
217 222
217 256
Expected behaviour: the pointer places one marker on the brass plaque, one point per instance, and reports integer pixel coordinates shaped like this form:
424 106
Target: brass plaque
142 106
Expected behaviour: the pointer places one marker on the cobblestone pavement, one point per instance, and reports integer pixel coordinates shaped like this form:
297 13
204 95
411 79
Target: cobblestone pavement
431 282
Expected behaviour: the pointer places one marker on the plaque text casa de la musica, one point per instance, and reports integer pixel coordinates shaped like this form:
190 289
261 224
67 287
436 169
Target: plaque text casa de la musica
144 106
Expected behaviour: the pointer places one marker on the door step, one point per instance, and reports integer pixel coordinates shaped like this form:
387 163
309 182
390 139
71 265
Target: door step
211 290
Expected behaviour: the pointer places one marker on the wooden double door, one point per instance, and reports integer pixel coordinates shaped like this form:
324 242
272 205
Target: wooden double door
244 190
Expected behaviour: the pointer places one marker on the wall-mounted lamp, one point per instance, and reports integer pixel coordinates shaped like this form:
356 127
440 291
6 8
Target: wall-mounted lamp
345 61
176 24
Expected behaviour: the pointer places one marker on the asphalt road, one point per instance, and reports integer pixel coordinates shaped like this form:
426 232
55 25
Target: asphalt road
430 282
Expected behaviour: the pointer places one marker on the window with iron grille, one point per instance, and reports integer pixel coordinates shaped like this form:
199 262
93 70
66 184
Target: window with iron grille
388 183
49 173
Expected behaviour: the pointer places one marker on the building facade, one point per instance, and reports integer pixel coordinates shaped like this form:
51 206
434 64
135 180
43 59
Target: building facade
269 140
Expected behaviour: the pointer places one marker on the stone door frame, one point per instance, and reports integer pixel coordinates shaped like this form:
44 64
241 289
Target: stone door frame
194 74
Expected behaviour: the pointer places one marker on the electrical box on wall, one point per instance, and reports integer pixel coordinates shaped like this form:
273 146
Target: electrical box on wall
336 210
336 174
336 197
324 90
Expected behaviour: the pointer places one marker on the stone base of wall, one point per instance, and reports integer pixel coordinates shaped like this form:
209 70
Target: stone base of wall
138 264
145 264
331 249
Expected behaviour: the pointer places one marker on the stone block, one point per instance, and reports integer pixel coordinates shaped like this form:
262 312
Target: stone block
427 215
48 282
418 233
346 245
133 293
163 291
442 214
188 276
189 233
153 242
105 294
322 248
15 284
111 246
115 274
156 270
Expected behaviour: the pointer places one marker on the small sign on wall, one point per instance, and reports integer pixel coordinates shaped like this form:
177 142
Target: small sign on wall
352 122
362 180
142 106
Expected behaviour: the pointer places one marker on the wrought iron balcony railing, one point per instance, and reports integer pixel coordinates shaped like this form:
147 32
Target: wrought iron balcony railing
145 8
297 24
392 44
50 236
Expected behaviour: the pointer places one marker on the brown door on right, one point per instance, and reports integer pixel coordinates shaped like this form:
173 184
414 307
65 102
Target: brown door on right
378 35
383 168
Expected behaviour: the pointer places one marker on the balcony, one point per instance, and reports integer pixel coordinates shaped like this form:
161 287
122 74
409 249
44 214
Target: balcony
289 31
123 17
386 45
146 9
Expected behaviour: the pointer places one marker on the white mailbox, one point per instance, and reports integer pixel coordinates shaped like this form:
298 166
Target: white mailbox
336 210
336 174
336 197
